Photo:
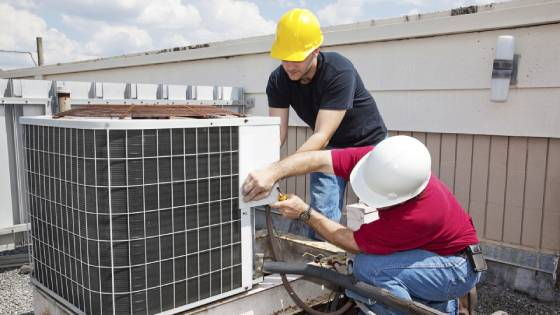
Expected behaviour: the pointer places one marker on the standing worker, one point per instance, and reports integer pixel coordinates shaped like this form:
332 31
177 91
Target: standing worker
326 92
424 245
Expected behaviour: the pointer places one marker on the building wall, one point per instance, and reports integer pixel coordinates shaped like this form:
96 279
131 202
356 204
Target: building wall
429 84
509 185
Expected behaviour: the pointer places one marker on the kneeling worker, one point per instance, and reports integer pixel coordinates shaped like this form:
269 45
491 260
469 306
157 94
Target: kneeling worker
422 247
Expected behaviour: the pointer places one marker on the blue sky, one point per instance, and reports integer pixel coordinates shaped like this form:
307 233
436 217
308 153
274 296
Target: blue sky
84 29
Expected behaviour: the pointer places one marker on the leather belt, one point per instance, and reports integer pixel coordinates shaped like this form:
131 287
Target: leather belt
462 253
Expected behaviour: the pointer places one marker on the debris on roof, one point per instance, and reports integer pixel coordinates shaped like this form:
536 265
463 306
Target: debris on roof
464 10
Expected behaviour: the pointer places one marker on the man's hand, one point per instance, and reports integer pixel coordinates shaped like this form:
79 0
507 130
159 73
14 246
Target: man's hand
292 207
331 231
258 184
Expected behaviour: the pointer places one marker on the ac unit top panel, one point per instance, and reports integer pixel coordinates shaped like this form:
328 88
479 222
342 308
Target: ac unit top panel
107 123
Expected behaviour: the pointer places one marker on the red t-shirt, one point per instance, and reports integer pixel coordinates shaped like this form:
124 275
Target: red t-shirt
433 221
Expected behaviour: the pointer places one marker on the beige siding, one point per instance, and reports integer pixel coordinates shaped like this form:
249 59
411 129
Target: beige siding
497 178
447 160
350 195
291 141
533 203
421 136
479 182
307 191
551 214
463 170
515 186
283 153
301 185
433 142
509 185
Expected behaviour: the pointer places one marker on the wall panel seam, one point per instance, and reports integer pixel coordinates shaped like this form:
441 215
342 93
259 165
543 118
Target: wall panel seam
545 191
487 186
505 190
455 166
523 208
470 177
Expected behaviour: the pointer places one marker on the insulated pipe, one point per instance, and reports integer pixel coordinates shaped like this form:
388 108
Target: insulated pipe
287 286
349 282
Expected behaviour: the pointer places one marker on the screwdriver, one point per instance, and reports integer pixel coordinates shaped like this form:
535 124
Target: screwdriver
281 196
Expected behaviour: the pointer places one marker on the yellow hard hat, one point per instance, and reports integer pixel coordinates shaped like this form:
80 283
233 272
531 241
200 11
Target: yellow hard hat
298 33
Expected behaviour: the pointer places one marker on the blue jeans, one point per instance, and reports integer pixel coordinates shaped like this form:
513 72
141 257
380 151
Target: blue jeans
327 194
419 275
327 197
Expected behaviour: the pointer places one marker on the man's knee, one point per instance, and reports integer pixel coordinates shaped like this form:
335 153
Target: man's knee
367 267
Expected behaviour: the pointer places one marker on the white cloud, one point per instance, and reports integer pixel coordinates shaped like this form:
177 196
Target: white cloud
170 14
415 2
25 4
341 12
292 3
113 11
81 24
103 39
20 28
13 60
228 19
103 28
413 12
174 40
19 32
114 40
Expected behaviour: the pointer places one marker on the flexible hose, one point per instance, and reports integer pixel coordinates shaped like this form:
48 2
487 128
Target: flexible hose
287 286
382 296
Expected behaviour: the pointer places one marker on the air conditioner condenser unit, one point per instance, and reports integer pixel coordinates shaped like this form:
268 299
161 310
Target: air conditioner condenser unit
143 216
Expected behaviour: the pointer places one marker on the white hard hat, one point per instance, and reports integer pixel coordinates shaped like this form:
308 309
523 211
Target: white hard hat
396 170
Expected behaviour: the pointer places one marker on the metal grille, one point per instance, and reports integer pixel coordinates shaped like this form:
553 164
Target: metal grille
134 221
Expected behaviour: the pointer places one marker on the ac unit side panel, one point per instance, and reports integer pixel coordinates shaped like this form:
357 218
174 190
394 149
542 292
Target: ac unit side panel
259 146
247 250
7 219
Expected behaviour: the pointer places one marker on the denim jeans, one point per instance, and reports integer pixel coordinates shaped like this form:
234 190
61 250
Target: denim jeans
423 276
327 197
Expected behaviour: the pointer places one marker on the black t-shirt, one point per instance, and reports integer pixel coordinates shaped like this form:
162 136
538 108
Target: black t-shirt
336 86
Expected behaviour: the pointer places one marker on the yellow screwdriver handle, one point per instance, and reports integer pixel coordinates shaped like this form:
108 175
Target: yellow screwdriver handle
281 196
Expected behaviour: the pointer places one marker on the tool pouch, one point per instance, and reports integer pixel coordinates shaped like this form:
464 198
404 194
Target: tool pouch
474 254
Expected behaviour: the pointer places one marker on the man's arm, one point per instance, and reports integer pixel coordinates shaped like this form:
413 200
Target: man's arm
331 231
326 124
284 114
259 183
